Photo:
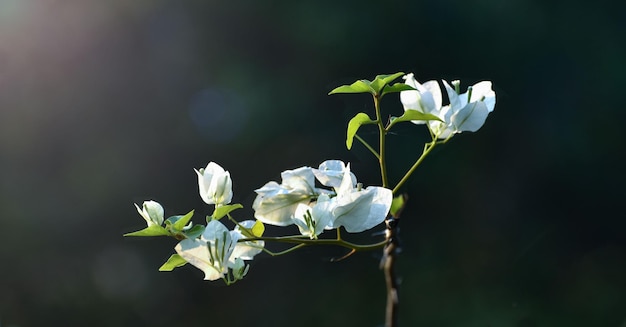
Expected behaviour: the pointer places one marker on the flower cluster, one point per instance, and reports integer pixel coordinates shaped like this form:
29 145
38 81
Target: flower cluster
221 253
466 112
297 201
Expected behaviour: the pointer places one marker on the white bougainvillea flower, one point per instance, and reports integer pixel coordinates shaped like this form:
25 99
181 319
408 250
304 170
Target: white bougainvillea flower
426 98
152 212
467 112
330 173
215 184
276 204
214 252
312 220
357 209
293 201
245 250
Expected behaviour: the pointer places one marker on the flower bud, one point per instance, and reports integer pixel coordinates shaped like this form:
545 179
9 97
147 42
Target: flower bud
152 212
215 184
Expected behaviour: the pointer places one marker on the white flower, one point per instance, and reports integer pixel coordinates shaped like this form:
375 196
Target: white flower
312 221
297 201
426 98
358 210
212 252
330 173
276 204
152 212
466 112
215 184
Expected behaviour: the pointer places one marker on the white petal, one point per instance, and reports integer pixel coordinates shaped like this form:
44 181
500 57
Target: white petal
196 252
431 98
455 102
482 91
299 179
471 118
330 173
278 208
363 210
214 230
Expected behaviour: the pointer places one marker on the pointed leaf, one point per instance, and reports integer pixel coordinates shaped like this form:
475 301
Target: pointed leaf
224 210
379 83
174 261
179 222
389 77
353 126
360 86
398 87
410 115
153 230
258 229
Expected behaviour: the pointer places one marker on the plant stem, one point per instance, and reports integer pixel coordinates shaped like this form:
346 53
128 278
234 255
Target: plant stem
306 241
369 147
427 148
387 264
382 133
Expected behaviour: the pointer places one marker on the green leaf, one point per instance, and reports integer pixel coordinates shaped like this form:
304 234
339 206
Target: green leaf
224 210
194 231
177 223
397 204
174 261
410 115
398 87
258 229
390 77
153 230
360 86
379 83
353 126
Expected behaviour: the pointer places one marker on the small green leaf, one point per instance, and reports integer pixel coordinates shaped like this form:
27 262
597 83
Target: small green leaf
194 231
410 115
379 83
397 204
258 229
174 261
153 230
398 87
224 210
360 86
183 221
390 77
353 126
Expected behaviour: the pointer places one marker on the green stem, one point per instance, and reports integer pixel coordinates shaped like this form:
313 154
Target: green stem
382 133
427 148
298 240
369 147
274 254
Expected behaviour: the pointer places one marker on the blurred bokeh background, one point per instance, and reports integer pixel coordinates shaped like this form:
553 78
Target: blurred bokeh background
108 103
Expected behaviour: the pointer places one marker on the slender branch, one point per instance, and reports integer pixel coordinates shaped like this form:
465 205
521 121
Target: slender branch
369 147
427 148
298 240
275 254
382 133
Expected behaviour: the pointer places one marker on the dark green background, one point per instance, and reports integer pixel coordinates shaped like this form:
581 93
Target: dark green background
106 103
